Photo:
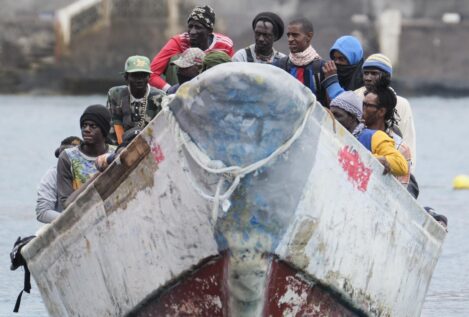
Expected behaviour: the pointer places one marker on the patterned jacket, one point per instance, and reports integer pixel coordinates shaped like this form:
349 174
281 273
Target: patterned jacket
129 112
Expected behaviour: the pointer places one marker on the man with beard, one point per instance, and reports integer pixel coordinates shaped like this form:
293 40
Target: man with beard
343 72
199 34
76 165
188 65
136 103
268 28
303 62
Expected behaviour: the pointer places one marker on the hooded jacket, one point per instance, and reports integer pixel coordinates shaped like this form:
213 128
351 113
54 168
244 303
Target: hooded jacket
349 77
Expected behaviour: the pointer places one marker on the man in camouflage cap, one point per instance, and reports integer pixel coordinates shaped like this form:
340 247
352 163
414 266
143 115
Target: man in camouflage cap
188 65
136 103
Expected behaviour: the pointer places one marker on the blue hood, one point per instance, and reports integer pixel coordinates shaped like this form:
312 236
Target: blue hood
350 47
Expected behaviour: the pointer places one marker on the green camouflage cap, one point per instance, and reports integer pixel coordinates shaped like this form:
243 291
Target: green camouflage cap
137 63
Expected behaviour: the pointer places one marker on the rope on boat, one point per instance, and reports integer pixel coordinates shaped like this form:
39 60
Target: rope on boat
213 166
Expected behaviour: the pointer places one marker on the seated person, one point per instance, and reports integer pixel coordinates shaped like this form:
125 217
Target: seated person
200 24
47 202
76 165
133 104
344 71
188 65
268 28
346 108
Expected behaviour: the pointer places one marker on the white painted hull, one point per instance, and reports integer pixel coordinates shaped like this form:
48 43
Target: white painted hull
145 221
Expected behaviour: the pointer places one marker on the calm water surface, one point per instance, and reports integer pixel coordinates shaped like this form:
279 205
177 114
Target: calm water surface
32 127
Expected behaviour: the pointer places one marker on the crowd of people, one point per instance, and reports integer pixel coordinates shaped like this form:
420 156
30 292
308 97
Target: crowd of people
357 91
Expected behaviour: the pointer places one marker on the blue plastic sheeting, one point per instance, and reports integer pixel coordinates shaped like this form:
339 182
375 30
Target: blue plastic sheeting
240 113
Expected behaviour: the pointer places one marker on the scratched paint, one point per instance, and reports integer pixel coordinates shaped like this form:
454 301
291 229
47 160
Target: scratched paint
375 249
358 174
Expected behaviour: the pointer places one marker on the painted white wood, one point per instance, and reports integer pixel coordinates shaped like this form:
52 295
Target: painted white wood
375 246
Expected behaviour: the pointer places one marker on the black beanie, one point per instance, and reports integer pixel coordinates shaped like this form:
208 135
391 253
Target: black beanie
100 115
272 18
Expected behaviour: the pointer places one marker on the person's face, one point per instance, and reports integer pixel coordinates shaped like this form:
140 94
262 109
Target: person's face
370 77
339 58
346 119
372 111
264 35
137 80
186 74
198 34
91 133
298 40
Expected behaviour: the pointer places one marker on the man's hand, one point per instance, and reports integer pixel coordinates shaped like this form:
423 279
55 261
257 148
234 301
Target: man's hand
329 69
385 163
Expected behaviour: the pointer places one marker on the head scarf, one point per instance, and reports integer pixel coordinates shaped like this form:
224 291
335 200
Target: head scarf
349 102
214 58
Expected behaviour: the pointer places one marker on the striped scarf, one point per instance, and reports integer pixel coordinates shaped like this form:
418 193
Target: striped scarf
305 57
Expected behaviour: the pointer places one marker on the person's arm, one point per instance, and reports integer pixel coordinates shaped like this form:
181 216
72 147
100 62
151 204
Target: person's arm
47 197
407 127
64 180
160 62
383 148
117 129
331 81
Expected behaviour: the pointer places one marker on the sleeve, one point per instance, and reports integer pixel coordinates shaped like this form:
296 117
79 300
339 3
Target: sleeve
239 56
64 180
407 127
383 145
332 86
230 51
47 197
160 62
115 118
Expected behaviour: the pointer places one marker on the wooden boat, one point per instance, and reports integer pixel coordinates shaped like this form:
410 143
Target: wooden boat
243 197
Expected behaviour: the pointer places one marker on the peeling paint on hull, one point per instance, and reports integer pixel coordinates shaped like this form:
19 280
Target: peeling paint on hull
304 235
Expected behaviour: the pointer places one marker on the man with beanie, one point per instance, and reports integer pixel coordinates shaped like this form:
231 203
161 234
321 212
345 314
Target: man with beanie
374 68
199 34
303 62
47 202
268 28
76 165
347 109
214 58
133 104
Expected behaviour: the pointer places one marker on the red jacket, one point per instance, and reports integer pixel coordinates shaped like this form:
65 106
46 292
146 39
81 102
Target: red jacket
178 44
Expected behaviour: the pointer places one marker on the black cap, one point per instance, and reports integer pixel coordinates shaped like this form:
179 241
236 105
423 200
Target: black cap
100 115
272 18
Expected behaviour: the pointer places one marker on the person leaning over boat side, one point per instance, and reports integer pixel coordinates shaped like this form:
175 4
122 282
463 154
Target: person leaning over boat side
303 62
47 199
76 165
189 65
375 67
268 28
199 34
344 71
347 110
133 104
